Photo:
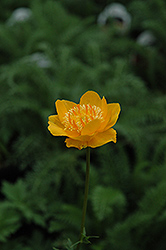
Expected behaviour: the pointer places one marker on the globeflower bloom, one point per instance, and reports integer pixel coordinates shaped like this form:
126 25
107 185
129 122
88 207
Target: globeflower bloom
87 124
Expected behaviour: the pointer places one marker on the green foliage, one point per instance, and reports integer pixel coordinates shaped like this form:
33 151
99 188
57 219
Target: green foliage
104 199
58 54
17 207
9 221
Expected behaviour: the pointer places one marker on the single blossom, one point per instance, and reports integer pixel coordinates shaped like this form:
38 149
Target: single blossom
87 124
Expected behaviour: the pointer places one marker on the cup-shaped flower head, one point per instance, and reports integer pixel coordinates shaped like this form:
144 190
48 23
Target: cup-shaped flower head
87 124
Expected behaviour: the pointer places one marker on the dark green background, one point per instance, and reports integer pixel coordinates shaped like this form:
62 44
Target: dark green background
42 181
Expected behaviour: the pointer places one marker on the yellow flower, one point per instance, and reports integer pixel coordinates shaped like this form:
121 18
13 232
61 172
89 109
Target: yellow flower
87 124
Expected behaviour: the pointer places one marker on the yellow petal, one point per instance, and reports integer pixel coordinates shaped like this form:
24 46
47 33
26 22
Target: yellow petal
72 134
92 98
54 120
112 115
91 127
55 127
63 107
104 107
83 138
75 143
105 111
102 138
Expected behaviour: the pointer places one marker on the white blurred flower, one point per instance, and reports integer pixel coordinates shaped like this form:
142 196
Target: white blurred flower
146 38
40 59
19 15
117 12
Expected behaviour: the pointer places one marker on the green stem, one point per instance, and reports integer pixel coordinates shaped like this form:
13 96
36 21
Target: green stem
85 194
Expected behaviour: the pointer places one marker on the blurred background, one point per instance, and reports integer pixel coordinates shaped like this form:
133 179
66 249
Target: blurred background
53 50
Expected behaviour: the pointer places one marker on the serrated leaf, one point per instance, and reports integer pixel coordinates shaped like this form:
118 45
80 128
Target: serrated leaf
14 192
157 194
103 200
9 221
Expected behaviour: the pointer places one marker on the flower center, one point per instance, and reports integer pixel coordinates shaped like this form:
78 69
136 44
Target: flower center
77 117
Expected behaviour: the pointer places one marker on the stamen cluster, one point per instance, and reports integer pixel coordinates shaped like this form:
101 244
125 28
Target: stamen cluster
80 115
